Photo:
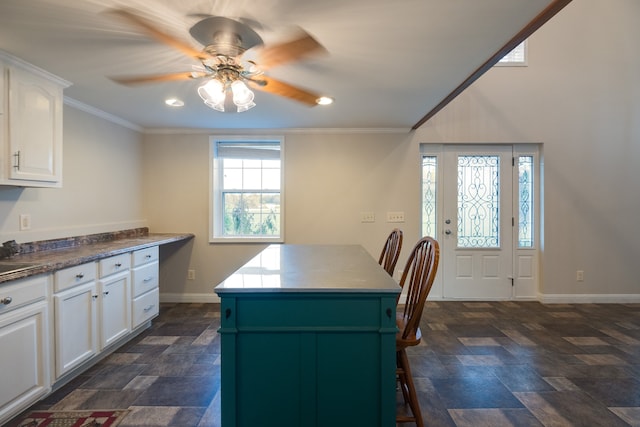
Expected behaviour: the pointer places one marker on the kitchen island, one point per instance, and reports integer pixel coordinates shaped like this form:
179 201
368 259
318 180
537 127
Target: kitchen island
308 339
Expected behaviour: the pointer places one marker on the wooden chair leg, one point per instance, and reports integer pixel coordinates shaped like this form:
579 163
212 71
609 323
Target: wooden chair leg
408 390
402 379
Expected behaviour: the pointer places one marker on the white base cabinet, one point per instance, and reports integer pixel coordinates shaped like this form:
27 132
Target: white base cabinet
91 314
76 326
145 278
24 344
114 299
54 326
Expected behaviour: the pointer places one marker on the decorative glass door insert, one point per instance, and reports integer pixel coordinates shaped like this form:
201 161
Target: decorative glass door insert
478 201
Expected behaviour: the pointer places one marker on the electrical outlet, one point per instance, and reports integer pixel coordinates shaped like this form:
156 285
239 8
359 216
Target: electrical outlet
580 276
191 274
395 216
367 217
25 222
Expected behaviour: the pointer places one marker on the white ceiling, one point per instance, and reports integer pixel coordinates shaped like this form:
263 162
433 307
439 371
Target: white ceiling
390 61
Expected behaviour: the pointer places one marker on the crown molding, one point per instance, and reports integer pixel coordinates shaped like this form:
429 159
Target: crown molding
101 114
191 131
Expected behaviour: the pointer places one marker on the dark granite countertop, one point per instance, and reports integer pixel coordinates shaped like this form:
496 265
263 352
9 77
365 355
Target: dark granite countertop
50 256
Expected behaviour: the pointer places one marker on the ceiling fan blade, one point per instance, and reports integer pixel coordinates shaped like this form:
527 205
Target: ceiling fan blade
270 56
278 87
159 35
134 80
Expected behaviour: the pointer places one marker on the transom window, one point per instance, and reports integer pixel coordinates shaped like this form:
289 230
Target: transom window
247 196
517 57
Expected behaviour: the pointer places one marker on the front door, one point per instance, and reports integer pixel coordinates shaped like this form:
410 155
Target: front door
476 240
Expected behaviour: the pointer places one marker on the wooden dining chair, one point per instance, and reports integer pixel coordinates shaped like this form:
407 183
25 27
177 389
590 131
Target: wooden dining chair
391 251
417 278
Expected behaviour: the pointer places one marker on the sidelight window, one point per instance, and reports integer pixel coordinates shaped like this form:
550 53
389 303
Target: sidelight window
429 195
525 201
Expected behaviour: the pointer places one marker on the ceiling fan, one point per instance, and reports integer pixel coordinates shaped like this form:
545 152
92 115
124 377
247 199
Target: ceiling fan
233 57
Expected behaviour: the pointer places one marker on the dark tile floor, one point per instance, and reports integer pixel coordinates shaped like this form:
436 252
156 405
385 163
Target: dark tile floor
480 364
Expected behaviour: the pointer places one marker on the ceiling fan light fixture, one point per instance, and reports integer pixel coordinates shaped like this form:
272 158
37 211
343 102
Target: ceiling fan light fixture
242 96
217 107
213 94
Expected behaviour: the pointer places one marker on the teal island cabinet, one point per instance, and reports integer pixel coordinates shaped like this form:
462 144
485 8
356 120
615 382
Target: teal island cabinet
308 339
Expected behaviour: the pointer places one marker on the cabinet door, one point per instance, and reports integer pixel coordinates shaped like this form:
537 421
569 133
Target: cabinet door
76 326
24 359
115 308
35 128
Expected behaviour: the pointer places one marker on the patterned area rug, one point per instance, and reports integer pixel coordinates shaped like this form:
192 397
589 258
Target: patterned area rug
87 418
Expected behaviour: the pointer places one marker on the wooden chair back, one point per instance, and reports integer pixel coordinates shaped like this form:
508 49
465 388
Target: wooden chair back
391 251
417 278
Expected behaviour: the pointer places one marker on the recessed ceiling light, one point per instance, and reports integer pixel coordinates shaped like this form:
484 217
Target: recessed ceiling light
174 102
324 100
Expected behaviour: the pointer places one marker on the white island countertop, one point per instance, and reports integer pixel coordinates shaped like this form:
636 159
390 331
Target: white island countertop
310 268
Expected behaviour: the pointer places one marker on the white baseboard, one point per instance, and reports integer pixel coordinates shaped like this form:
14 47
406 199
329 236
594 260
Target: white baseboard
190 298
589 298
553 299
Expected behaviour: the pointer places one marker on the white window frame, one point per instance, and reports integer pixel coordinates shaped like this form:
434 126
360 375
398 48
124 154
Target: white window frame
215 191
509 60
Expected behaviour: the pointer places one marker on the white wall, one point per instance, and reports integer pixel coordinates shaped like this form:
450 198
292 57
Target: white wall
101 185
580 97
329 179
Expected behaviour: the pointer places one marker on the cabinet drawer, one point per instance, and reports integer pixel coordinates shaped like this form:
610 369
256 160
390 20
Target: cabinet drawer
22 292
144 278
144 256
73 276
347 311
145 307
114 264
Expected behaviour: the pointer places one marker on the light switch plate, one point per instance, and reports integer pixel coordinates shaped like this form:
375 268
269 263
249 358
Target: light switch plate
395 216
25 222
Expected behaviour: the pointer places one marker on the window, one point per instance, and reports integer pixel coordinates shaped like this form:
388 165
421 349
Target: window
247 196
525 201
478 201
477 196
429 194
517 57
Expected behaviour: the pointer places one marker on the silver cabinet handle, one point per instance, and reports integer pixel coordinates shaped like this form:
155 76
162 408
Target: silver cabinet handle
149 307
6 300
16 158
148 279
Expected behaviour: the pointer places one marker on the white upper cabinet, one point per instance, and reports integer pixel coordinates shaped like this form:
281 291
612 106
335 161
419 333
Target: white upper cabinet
30 125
